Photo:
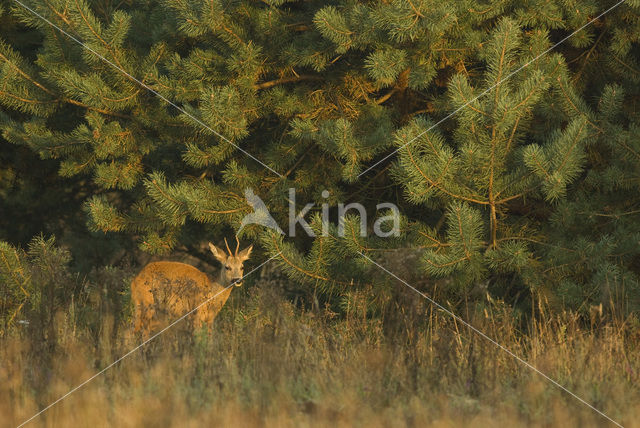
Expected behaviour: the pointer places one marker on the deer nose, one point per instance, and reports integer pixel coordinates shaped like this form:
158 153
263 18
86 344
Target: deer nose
237 281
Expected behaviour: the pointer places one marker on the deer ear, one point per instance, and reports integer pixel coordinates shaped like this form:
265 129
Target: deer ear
218 253
244 254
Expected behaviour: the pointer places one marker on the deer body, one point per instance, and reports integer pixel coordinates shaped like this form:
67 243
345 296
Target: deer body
165 291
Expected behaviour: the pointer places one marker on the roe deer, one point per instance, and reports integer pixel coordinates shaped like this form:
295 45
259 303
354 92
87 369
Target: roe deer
171 289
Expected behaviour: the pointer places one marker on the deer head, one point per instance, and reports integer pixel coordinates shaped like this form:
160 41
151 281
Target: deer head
232 263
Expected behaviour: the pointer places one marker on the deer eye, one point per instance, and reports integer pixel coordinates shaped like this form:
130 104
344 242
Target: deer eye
227 267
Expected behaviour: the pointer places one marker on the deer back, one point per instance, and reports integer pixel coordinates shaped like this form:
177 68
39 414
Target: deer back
168 290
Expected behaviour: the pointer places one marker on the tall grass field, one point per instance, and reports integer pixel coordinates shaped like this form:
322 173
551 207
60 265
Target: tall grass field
268 362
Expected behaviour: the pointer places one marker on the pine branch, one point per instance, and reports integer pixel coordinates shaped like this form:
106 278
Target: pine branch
284 80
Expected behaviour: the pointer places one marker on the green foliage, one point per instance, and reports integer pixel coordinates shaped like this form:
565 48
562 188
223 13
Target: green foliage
464 234
532 181
33 281
17 288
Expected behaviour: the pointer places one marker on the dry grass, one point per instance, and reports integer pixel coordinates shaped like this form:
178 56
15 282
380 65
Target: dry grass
269 364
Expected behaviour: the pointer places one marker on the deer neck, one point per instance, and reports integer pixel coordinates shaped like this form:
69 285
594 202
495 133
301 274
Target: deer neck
222 288
223 295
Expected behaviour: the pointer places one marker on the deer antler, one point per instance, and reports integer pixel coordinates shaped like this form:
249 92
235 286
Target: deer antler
237 245
227 244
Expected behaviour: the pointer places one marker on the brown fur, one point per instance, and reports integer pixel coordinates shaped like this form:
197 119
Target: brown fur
165 291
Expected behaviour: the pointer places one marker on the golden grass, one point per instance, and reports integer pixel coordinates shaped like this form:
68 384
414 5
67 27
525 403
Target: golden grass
268 364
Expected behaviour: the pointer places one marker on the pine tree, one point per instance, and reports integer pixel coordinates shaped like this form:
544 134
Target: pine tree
532 180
